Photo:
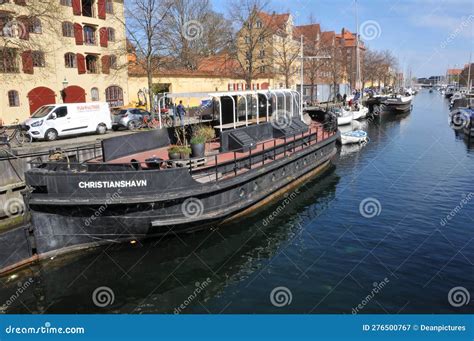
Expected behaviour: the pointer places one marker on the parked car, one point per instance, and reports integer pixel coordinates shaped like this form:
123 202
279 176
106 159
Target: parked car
129 118
57 120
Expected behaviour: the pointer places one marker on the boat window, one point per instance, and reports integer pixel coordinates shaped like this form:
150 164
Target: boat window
42 112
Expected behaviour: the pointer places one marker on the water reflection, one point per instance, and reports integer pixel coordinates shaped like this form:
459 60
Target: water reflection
158 276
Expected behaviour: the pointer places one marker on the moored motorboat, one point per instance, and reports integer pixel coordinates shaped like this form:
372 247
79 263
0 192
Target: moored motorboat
356 136
344 117
135 190
396 104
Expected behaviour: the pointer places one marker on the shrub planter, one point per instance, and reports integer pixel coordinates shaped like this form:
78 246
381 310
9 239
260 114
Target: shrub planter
198 149
174 155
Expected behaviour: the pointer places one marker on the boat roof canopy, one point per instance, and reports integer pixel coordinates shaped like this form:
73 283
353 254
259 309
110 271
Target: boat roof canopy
228 93
292 95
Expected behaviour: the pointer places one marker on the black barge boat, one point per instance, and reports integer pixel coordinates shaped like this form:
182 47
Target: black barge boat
265 146
396 104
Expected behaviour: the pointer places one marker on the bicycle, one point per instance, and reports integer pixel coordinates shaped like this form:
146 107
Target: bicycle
18 136
151 124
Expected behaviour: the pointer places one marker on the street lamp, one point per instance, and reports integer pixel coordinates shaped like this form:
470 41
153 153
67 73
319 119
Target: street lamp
302 58
63 91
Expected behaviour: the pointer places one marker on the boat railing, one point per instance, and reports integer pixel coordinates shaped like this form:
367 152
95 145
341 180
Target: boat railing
215 168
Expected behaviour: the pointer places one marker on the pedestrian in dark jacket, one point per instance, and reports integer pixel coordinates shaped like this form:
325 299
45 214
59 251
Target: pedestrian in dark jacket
181 111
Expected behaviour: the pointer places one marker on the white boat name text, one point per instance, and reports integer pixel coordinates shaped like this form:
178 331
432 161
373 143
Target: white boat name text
113 184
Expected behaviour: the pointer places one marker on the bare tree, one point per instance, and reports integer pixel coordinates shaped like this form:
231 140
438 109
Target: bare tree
144 28
286 53
192 30
335 65
253 38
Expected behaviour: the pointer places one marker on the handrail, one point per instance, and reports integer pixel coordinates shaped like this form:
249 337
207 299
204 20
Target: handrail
289 147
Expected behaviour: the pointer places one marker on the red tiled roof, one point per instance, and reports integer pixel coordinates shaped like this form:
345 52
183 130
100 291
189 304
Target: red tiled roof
328 37
310 32
454 72
221 65
274 21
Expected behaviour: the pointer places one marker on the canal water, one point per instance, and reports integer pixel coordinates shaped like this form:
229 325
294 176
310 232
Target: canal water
388 229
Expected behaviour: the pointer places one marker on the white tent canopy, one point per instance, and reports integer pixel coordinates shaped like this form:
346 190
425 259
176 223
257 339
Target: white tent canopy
269 94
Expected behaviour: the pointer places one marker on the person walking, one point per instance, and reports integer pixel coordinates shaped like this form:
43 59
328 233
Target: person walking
181 111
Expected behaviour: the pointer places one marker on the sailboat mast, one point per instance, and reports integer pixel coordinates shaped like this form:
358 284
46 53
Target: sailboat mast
357 82
469 75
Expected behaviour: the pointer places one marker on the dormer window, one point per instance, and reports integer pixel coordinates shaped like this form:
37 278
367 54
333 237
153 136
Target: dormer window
259 24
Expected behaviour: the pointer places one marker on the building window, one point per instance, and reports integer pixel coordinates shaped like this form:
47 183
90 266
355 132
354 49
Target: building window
95 94
34 26
113 62
66 2
13 98
68 29
114 96
261 38
262 69
88 8
89 35
38 59
92 64
109 6
70 60
247 40
262 53
110 34
259 24
9 61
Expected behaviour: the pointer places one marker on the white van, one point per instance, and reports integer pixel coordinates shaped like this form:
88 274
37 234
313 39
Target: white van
55 120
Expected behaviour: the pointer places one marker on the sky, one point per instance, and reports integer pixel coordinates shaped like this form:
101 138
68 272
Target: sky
427 36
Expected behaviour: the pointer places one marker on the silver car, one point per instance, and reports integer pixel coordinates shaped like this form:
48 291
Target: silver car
130 118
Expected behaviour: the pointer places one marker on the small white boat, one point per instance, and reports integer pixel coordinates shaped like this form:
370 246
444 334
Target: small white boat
343 117
357 114
356 136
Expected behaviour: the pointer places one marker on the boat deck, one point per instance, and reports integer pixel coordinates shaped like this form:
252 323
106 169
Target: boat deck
213 155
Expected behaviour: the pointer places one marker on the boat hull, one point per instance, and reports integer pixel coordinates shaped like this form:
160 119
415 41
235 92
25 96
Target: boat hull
396 108
61 228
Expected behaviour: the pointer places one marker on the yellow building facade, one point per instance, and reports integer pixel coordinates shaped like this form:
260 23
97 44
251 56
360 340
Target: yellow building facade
76 53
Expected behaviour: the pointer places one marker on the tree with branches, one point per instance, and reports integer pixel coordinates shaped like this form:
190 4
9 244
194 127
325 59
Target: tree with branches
192 30
286 54
145 31
253 38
